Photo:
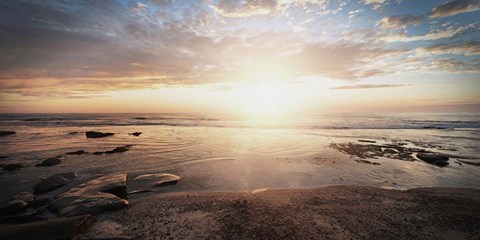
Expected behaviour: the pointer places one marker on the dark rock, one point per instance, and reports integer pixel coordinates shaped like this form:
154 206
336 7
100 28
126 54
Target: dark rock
3 157
389 151
92 197
6 133
53 182
146 182
41 200
367 141
98 153
16 204
49 162
13 166
432 127
136 134
79 152
119 149
73 133
440 163
58 228
140 118
433 158
366 162
93 134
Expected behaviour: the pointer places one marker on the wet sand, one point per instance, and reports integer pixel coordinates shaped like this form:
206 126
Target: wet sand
333 212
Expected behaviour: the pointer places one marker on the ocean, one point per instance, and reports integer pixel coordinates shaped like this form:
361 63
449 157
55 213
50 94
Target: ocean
212 152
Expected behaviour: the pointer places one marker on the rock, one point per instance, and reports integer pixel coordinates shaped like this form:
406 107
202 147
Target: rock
136 134
389 151
140 118
3 157
440 163
58 228
119 149
6 133
16 204
367 141
49 162
53 182
79 152
93 134
98 153
145 182
367 162
434 158
73 133
92 197
13 166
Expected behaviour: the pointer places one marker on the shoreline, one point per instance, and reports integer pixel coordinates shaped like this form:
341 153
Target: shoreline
330 212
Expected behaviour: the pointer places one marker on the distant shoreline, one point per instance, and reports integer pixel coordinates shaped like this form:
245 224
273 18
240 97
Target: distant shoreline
331 212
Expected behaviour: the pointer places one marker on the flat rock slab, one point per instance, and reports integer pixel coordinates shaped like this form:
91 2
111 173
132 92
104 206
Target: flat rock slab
148 182
92 197
54 229
53 182
93 134
16 204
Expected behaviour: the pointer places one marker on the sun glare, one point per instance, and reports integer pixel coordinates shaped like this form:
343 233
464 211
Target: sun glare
264 98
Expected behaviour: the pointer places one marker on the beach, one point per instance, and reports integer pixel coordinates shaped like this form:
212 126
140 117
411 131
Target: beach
333 212
210 176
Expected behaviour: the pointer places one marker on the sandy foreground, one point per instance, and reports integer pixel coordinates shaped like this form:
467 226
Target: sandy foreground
333 212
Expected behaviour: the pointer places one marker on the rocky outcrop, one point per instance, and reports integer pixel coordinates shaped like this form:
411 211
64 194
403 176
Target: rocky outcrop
93 134
92 197
53 182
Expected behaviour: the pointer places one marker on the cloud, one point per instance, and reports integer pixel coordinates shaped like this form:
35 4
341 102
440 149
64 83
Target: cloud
374 1
400 21
469 48
455 7
248 8
436 34
369 86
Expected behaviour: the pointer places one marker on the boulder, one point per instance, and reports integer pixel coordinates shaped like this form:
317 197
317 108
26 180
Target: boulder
93 134
92 197
16 204
49 162
136 134
6 133
53 182
434 158
58 228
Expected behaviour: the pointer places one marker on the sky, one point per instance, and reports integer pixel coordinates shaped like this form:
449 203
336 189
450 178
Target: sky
240 56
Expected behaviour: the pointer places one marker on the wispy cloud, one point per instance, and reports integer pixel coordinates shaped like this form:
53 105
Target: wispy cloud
455 7
369 86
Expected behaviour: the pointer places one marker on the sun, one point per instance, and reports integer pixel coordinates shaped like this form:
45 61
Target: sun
263 98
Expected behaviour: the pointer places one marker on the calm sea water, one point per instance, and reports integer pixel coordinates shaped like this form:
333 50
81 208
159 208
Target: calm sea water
241 153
